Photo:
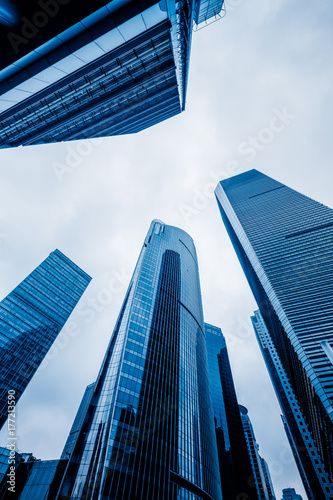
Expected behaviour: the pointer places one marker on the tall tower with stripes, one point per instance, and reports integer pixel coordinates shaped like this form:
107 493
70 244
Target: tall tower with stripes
284 241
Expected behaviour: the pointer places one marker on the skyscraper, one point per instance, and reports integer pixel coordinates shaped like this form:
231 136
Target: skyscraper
307 457
23 477
148 428
31 317
268 479
75 70
10 483
261 473
237 473
215 342
78 422
42 479
283 240
290 494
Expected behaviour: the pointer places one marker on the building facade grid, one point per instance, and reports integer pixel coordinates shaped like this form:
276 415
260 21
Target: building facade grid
284 242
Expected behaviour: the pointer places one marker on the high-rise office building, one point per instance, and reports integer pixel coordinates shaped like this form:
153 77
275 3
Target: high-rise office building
261 473
237 473
148 428
307 457
42 479
283 240
215 342
268 479
297 452
5 462
75 70
290 494
31 317
14 472
23 477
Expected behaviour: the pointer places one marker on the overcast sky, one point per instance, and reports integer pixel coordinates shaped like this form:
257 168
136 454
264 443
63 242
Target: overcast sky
259 96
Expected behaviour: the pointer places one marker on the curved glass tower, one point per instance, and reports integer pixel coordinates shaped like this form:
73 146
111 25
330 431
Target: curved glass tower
148 431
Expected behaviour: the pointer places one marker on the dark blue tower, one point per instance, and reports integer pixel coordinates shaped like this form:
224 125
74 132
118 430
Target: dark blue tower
237 473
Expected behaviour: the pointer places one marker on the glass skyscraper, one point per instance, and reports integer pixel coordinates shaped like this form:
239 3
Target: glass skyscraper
290 494
10 488
239 472
33 479
76 70
283 240
268 480
78 422
307 457
146 427
31 317
43 479
261 474
215 342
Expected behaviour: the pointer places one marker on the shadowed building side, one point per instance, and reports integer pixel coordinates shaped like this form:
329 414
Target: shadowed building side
243 477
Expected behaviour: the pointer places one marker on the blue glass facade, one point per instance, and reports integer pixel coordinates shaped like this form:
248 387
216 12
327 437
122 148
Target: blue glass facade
43 480
307 457
14 472
78 422
4 463
88 74
268 479
207 9
215 342
234 459
31 317
284 243
290 494
148 430
261 475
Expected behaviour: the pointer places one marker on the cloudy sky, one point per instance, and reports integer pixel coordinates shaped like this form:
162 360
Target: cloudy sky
259 96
